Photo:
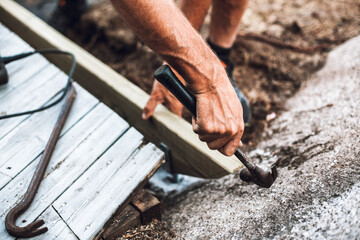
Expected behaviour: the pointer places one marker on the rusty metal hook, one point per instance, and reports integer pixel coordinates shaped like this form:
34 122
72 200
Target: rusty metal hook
33 229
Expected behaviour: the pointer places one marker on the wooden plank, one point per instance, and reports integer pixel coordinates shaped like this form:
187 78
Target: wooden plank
147 205
190 156
107 184
23 70
22 145
75 152
33 94
57 227
4 179
4 31
20 70
12 45
128 218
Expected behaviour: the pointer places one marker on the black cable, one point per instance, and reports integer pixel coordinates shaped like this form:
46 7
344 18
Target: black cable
6 60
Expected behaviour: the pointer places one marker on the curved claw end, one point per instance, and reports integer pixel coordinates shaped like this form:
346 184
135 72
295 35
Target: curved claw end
259 176
36 224
37 232
28 231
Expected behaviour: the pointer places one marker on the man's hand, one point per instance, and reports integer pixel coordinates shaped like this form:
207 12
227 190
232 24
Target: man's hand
159 94
219 120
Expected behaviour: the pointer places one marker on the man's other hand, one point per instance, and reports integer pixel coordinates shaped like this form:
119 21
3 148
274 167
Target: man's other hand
159 94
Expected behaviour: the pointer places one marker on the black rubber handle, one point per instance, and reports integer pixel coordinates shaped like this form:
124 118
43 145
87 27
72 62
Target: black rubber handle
4 78
167 77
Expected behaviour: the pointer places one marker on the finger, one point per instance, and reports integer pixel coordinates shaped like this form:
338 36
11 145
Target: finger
230 147
218 143
200 130
150 107
173 104
208 137
195 126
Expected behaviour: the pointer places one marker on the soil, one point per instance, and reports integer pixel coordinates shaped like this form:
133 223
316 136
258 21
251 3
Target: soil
266 75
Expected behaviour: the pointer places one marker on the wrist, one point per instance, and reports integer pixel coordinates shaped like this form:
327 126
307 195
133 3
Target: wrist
208 79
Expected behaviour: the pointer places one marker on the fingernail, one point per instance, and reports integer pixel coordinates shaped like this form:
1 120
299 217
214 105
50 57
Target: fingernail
143 116
240 144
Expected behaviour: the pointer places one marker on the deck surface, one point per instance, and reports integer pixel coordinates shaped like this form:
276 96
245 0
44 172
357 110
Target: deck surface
98 162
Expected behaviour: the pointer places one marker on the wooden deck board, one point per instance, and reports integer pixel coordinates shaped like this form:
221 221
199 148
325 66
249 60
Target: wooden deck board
58 230
23 70
74 154
117 173
4 179
4 32
22 145
98 158
28 96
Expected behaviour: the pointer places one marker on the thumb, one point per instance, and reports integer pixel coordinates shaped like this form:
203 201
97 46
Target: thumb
150 107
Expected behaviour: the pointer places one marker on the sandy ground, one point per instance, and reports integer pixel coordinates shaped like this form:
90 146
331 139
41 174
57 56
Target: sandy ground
316 145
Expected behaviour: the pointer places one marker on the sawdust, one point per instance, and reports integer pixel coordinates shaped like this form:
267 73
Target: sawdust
153 230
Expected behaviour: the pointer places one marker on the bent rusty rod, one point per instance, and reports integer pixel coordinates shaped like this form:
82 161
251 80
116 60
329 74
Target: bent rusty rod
33 229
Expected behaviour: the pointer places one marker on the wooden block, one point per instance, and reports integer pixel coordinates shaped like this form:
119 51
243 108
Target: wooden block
147 205
128 218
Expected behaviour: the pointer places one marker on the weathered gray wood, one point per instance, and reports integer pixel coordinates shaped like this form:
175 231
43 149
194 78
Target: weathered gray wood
12 44
107 184
4 179
75 152
22 145
57 229
20 70
30 95
4 31
23 70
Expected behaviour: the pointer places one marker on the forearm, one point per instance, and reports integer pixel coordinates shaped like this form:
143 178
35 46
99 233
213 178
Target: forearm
162 26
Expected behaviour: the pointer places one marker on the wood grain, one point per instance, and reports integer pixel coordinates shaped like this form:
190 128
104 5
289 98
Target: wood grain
57 227
107 184
22 145
75 152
